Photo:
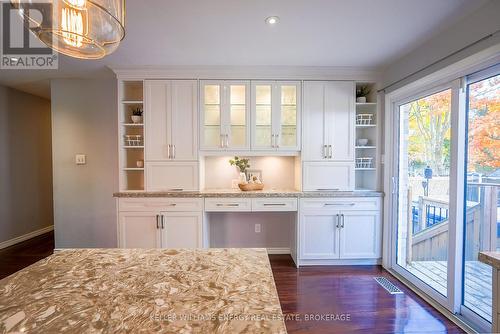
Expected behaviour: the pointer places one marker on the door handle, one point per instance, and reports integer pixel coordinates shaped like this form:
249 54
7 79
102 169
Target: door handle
272 141
157 221
227 140
337 220
173 151
330 151
222 140
325 153
168 151
343 220
277 140
162 222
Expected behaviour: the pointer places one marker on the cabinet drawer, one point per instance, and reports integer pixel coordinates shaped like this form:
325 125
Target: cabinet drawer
161 204
350 203
274 204
228 204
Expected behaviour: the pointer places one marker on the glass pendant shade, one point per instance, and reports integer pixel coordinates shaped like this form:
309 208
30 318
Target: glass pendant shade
86 29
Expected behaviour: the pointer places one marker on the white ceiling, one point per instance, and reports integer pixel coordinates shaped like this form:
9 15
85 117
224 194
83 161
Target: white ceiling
364 34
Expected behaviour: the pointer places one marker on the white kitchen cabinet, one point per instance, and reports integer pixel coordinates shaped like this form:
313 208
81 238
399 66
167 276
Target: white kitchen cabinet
172 176
276 115
225 115
319 236
329 116
339 229
139 230
360 235
181 230
171 120
159 223
328 176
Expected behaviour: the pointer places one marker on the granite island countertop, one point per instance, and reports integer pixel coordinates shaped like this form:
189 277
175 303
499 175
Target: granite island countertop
490 258
235 193
153 290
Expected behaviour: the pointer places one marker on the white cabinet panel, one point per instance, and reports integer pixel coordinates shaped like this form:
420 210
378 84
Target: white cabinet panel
138 230
340 114
168 176
171 120
319 236
314 126
328 176
160 204
181 230
184 120
274 204
157 120
360 235
228 204
329 116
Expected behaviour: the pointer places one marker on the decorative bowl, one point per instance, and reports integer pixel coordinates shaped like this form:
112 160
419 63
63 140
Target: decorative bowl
251 186
362 142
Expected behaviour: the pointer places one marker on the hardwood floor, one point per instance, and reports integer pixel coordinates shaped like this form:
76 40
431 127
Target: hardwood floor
341 291
23 254
351 290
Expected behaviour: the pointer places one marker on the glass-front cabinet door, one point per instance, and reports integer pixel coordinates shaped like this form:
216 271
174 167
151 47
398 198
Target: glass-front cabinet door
275 108
225 115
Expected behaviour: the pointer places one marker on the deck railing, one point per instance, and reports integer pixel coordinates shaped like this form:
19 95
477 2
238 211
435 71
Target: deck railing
428 239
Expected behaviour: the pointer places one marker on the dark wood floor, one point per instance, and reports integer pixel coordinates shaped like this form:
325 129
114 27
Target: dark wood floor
347 294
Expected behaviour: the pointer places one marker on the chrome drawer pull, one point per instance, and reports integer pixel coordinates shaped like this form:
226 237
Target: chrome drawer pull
176 189
274 204
231 205
172 204
328 189
339 204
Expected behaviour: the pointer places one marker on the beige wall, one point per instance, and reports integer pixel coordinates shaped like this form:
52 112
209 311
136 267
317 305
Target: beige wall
25 164
84 121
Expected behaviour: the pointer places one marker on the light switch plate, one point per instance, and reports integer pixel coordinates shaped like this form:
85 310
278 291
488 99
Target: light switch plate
80 159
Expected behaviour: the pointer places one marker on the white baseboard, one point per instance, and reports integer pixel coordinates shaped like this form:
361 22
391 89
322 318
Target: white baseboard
278 250
11 242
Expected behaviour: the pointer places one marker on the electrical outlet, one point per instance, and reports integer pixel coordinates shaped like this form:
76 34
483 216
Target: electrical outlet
80 159
257 228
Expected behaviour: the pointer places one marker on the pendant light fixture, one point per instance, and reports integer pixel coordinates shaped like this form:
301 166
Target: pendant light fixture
85 29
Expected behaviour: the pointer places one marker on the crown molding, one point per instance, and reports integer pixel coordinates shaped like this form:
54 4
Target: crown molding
247 72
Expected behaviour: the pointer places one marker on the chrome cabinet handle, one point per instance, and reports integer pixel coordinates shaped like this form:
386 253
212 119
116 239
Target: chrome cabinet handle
328 189
337 220
173 151
168 151
227 140
330 151
176 189
230 204
339 204
343 220
221 140
277 139
157 221
274 204
162 222
272 140
172 204
325 154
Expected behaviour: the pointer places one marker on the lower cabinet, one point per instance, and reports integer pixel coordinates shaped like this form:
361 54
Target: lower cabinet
339 229
164 228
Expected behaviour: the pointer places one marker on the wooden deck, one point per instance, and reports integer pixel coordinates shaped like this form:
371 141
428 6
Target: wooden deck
478 291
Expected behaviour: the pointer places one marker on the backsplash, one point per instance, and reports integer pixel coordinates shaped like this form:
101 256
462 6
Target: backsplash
277 172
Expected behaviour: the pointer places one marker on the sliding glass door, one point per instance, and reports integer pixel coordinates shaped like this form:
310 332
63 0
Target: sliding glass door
423 189
482 192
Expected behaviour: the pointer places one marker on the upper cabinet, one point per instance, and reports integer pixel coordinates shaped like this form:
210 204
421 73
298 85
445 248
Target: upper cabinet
171 120
329 113
276 115
225 115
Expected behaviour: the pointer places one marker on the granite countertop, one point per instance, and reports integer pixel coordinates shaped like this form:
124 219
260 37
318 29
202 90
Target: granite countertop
210 193
153 291
490 258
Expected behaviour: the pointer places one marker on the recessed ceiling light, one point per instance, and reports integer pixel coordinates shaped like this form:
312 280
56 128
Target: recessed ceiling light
272 20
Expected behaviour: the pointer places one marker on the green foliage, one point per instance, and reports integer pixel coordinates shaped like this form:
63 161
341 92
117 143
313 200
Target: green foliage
242 164
362 91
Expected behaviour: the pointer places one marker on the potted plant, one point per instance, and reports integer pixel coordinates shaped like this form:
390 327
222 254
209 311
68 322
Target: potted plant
242 165
137 115
361 93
